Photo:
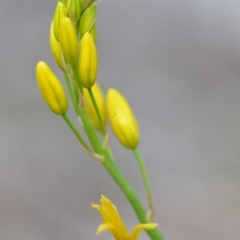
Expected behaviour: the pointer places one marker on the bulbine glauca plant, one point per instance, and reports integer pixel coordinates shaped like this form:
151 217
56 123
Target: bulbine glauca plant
72 38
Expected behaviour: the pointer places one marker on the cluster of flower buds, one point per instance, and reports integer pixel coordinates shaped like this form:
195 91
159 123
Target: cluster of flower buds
72 43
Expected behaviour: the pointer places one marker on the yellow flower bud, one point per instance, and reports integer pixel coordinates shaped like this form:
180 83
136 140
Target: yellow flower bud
55 48
122 119
86 3
68 41
64 1
93 32
51 89
87 19
74 8
88 61
60 13
98 95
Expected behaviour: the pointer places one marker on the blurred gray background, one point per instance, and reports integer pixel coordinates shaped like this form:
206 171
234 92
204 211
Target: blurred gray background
178 64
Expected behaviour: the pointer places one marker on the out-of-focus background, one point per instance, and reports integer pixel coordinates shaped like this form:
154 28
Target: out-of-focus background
178 64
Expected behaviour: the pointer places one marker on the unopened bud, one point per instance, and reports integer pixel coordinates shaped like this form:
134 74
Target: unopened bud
74 8
86 4
60 13
87 19
68 41
98 95
122 119
51 89
64 1
55 48
88 61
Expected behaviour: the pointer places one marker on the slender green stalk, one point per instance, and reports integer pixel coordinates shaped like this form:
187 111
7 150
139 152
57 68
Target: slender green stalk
90 131
130 194
97 111
75 131
72 93
113 170
77 80
76 95
144 174
85 120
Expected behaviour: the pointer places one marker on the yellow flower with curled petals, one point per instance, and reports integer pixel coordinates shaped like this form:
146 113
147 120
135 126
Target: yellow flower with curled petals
114 224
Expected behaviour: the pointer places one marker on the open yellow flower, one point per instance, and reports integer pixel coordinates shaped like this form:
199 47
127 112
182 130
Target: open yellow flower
114 224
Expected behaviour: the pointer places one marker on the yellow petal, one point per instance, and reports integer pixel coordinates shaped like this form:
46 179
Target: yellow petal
137 229
104 216
110 227
113 214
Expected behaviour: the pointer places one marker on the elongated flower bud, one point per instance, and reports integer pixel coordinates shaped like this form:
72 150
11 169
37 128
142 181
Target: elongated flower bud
122 119
98 95
51 89
88 18
68 41
60 13
55 48
64 1
88 61
93 32
74 8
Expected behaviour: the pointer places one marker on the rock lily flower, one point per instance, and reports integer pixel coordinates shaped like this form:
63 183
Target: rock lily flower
114 224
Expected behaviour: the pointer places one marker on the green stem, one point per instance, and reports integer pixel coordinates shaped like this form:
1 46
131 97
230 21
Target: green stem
113 169
90 131
144 173
75 131
97 111
85 119
130 194
72 92
77 80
